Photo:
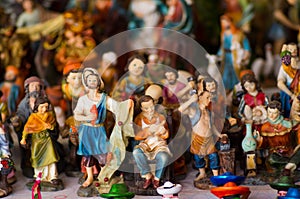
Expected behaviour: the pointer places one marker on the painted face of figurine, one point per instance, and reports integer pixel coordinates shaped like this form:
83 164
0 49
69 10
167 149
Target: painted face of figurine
250 86
102 4
92 81
205 98
293 49
292 2
10 76
171 77
136 67
225 24
34 86
294 63
28 5
211 87
43 108
273 114
171 2
74 79
148 108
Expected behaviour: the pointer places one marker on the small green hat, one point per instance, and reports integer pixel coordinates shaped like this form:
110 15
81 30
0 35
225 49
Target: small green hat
118 190
283 183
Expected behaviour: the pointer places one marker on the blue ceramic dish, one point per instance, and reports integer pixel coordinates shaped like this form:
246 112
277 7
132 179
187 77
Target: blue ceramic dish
220 180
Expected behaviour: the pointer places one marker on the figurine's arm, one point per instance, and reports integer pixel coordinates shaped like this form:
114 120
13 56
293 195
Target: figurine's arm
279 16
4 146
247 49
183 91
186 104
281 85
79 113
24 136
141 133
163 131
4 112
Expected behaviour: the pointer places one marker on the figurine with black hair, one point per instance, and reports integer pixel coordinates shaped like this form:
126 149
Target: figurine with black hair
276 136
205 134
152 132
34 88
134 81
44 155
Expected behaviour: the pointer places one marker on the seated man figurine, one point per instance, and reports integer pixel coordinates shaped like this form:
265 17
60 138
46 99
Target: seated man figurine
152 132
276 136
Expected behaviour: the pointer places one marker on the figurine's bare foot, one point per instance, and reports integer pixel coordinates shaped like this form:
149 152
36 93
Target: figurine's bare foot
87 182
109 157
200 176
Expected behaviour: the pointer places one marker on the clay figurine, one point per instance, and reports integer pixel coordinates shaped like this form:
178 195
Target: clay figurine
43 153
134 82
152 132
231 65
276 136
204 131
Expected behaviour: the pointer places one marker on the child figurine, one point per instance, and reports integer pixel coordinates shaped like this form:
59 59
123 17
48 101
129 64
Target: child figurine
135 79
253 102
43 154
204 134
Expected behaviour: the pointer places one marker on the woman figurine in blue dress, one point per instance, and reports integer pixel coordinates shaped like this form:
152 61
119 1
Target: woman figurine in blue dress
91 112
235 52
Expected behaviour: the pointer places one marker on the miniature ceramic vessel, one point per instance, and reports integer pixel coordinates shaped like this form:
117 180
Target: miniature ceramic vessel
249 143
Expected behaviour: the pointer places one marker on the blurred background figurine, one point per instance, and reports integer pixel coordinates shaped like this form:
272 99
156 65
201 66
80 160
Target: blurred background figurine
235 52
108 12
108 70
134 81
72 89
287 79
142 14
179 16
30 16
11 91
286 25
